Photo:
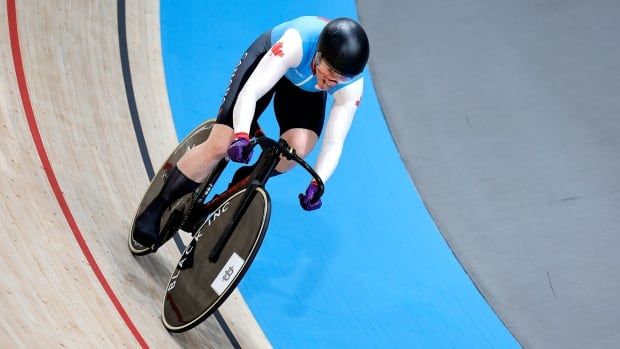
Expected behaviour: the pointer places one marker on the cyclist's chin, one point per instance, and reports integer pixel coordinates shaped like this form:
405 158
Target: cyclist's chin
324 88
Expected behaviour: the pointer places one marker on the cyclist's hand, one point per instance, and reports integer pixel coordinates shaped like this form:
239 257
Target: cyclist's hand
239 150
307 201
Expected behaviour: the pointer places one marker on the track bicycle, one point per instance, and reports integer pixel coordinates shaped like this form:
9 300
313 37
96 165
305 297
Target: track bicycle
227 231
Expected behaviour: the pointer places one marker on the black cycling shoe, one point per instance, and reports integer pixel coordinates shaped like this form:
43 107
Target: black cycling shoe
146 229
147 224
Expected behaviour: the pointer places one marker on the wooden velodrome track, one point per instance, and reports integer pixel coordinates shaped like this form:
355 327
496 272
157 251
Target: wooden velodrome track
73 173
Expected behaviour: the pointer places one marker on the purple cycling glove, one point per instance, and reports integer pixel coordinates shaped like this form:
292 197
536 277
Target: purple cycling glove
239 149
306 200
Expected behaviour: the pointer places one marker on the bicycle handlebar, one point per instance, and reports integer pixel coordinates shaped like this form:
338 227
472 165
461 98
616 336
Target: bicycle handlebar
289 153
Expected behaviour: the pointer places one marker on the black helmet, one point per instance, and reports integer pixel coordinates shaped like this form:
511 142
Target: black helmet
344 45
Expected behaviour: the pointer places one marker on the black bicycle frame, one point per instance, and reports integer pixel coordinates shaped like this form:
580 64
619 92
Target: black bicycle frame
266 164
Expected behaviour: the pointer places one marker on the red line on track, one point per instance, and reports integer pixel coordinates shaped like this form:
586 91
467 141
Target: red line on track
36 136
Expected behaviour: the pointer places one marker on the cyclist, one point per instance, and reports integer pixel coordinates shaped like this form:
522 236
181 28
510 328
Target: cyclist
297 63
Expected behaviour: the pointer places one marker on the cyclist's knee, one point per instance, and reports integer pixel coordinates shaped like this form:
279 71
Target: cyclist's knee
302 140
220 139
285 165
218 149
302 152
302 148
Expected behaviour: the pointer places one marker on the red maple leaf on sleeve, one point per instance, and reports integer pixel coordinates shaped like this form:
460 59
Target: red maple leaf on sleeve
276 50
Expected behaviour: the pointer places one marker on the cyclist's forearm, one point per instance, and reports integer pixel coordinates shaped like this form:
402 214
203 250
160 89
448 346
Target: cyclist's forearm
328 159
341 116
338 125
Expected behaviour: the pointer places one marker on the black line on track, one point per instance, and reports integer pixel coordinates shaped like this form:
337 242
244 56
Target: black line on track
226 329
144 152
131 98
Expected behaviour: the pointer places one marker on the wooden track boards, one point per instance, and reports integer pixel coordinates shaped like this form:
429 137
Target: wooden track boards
49 292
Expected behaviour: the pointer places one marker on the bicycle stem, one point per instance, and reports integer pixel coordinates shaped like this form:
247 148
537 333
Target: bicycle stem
289 153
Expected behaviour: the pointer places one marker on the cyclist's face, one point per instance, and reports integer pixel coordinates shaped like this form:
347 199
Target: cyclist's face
326 76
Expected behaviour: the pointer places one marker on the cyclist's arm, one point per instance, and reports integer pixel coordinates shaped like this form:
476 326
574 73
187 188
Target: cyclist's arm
346 101
286 53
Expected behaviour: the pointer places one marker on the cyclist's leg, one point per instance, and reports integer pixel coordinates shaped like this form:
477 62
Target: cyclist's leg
302 140
300 115
147 223
196 164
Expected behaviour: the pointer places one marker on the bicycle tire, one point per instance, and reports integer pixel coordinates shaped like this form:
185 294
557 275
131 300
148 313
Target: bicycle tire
197 136
194 293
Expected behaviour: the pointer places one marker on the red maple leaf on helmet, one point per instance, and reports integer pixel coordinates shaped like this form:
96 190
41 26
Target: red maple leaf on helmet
277 49
357 103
